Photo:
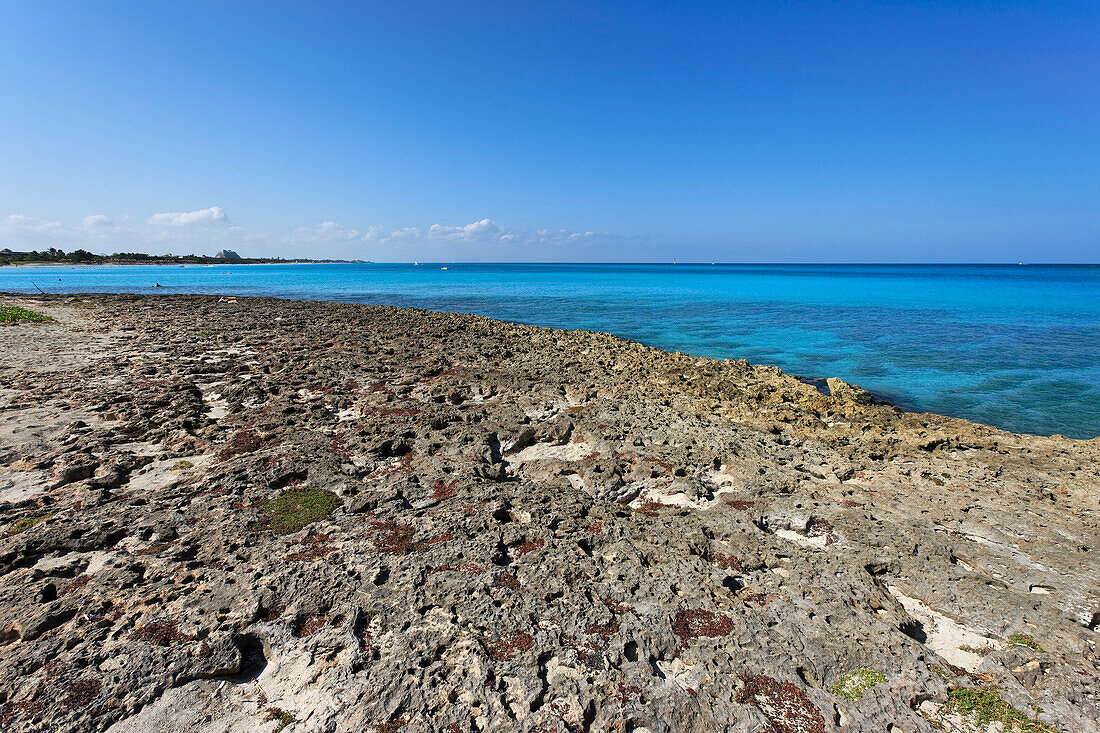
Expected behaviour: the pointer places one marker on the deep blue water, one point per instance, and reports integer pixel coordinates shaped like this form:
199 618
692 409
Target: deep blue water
1013 346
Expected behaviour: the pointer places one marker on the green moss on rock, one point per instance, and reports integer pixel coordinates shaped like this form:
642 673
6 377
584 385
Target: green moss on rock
292 510
853 684
979 708
1025 640
26 523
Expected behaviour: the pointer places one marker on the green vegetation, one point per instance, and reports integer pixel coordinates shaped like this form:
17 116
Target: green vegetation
13 314
284 717
853 684
27 522
979 708
292 510
7 257
1025 640
84 257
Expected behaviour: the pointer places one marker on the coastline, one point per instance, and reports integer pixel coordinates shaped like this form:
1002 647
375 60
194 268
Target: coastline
513 525
135 263
1021 352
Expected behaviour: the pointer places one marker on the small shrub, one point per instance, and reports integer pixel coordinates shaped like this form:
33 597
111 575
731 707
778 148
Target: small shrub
650 507
1026 641
160 633
400 539
784 704
591 650
442 490
982 707
26 523
243 441
271 614
309 625
508 646
80 693
338 446
823 528
628 694
729 562
292 510
284 717
314 547
27 709
697 622
853 684
75 585
506 580
529 546
14 314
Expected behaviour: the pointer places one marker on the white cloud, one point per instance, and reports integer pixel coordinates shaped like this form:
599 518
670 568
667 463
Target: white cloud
486 229
326 231
213 215
208 230
27 224
97 221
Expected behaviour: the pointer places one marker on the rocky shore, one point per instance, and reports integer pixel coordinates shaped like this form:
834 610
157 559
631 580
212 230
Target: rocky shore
234 514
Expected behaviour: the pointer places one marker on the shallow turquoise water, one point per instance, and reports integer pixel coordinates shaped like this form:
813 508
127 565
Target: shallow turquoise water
1014 346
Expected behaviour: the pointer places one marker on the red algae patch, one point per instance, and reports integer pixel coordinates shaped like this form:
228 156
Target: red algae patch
507 647
697 622
784 704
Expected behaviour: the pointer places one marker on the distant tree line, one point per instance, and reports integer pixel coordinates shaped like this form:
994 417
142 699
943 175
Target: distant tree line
83 256
52 254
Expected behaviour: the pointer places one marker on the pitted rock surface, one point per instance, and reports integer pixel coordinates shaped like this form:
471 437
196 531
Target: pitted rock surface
235 514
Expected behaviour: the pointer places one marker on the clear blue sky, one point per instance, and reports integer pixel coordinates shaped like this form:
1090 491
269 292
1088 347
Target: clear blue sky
733 131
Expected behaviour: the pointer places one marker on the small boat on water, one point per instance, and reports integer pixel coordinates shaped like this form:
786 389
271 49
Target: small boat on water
444 268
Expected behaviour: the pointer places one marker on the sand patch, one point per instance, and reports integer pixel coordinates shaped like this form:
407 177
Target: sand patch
166 473
549 452
814 542
216 407
27 430
68 342
19 486
681 493
945 634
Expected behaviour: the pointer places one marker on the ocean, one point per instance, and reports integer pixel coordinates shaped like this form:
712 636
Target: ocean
1010 345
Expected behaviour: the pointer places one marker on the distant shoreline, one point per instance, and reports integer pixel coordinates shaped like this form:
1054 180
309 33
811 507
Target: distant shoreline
54 256
136 263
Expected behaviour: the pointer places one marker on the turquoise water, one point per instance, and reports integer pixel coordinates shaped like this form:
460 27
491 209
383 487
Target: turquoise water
1013 346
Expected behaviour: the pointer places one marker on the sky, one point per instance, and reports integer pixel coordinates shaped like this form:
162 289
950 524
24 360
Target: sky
554 131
